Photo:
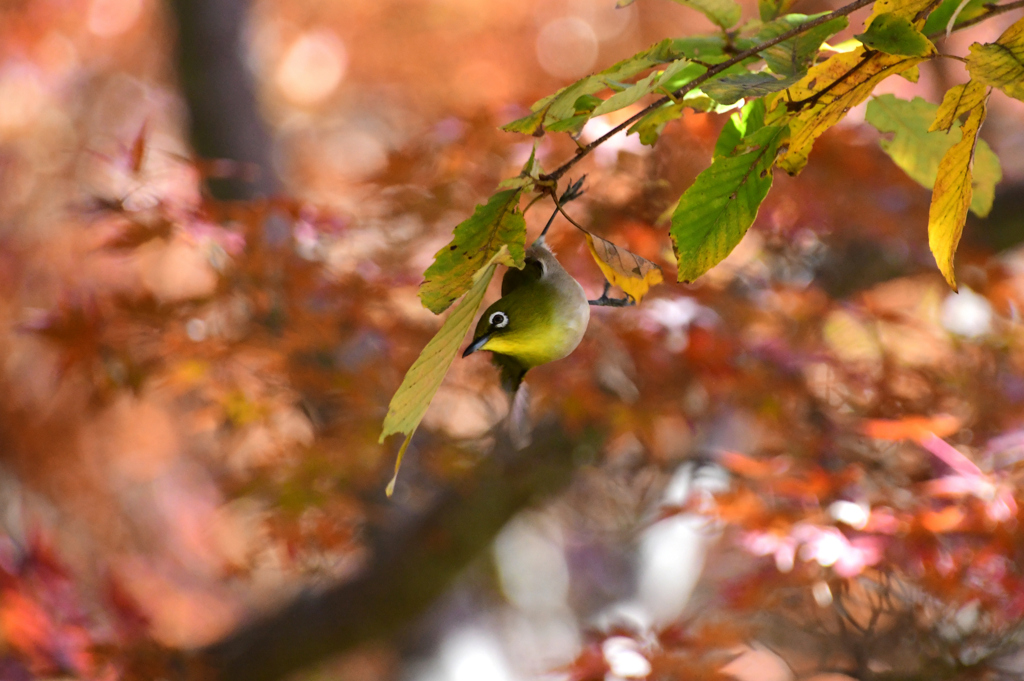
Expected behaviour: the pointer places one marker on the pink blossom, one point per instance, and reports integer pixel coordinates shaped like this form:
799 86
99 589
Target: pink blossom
1000 504
782 547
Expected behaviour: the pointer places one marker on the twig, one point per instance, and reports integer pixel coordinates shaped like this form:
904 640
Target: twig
813 99
571 193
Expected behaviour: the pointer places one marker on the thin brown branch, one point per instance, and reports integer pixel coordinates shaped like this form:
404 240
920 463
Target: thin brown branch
558 207
813 99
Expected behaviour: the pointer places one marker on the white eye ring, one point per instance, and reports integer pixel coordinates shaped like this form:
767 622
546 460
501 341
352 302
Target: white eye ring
498 320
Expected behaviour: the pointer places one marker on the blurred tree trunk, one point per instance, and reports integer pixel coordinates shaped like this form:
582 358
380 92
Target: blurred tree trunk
225 120
414 560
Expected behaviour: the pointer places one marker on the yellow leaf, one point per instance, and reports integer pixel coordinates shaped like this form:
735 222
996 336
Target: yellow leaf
912 74
1001 64
846 79
631 273
425 375
903 8
958 100
952 195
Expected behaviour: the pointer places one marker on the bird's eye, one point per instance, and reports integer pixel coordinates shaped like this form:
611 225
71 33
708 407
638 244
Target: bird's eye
498 320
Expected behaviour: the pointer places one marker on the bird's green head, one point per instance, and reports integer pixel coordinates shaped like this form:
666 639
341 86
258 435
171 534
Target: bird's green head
520 325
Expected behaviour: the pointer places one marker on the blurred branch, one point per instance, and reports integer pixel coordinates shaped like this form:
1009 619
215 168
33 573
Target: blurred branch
413 563
225 121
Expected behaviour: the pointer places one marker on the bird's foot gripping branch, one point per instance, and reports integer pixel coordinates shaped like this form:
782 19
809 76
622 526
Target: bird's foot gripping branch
786 86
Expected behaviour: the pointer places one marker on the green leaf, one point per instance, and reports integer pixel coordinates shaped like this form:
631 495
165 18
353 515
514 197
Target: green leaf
987 174
709 49
918 152
770 9
630 95
1001 64
678 74
793 56
731 89
572 125
650 126
909 9
718 209
563 104
741 124
586 104
527 177
952 195
722 13
424 377
940 16
475 241
894 34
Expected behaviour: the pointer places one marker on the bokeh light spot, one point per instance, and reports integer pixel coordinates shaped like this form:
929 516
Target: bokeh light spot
567 47
312 67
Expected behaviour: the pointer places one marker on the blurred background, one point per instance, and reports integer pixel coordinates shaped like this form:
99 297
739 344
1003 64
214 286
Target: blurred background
214 217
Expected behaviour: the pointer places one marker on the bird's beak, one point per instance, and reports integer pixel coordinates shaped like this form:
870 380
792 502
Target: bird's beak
476 345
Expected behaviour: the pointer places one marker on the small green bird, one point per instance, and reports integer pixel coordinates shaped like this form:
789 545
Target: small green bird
541 316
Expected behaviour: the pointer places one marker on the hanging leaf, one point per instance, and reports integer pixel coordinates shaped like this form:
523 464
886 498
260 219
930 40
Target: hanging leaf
424 377
622 268
958 100
952 196
722 13
731 89
718 209
824 96
895 34
918 152
795 55
476 240
1001 64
